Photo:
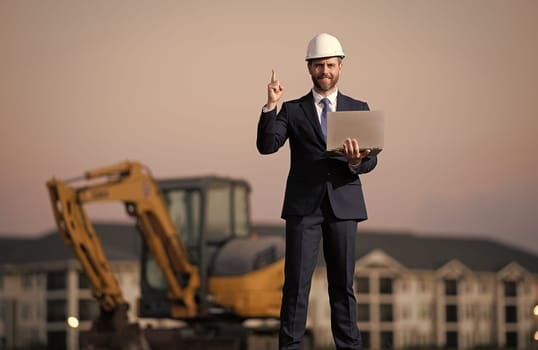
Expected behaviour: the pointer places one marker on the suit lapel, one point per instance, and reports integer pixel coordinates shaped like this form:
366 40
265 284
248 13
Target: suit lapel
307 105
342 103
311 114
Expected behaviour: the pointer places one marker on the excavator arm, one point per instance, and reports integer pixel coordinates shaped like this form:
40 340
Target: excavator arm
130 183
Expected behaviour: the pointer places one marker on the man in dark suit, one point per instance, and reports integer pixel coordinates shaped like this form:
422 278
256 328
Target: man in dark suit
323 195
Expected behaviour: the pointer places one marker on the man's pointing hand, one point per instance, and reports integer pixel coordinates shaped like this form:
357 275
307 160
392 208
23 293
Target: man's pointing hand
274 92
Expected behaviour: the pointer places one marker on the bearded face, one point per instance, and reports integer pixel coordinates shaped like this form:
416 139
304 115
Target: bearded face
325 73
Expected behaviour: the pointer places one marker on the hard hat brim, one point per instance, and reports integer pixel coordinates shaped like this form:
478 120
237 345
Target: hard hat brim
323 56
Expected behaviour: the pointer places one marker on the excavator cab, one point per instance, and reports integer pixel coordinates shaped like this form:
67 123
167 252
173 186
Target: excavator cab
209 212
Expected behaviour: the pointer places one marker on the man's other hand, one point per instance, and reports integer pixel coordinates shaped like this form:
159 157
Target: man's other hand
352 152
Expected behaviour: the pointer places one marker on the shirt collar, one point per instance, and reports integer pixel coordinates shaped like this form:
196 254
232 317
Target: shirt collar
331 97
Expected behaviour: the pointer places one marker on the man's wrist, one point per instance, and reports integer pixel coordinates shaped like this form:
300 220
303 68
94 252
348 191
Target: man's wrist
267 108
354 167
354 164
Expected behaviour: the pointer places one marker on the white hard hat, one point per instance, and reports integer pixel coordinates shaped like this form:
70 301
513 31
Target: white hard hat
324 45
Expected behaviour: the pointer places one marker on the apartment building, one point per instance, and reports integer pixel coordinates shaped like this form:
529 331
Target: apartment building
437 292
412 291
45 298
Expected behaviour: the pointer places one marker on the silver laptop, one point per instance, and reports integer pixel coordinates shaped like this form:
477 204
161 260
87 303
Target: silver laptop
366 126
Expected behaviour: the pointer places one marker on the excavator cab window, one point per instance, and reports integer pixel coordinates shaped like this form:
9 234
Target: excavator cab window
226 211
185 208
218 223
207 212
241 210
220 209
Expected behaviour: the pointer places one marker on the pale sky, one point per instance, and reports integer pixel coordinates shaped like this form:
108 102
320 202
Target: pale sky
179 86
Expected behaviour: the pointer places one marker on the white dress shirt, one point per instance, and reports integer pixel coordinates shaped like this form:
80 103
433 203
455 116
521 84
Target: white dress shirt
319 105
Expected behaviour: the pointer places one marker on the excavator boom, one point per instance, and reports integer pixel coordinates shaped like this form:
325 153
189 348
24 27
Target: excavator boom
79 235
130 183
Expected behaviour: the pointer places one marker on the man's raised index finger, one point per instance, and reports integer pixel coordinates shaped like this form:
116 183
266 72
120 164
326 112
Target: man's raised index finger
273 77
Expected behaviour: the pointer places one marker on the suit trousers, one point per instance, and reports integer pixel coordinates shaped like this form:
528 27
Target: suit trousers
303 237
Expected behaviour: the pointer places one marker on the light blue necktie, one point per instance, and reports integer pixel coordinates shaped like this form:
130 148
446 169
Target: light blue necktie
325 101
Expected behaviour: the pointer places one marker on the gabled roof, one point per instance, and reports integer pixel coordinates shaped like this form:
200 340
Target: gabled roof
119 241
123 242
432 252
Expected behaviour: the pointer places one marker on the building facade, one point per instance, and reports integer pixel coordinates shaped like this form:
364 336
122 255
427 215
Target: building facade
412 291
450 307
46 305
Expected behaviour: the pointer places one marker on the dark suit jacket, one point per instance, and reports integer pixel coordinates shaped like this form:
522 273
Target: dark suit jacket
311 172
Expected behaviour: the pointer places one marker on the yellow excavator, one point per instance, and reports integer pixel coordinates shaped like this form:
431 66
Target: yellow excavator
199 262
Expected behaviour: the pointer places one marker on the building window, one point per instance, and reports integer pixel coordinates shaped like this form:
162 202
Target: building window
363 285
468 311
423 286
484 313
40 312
451 313
468 287
451 340
56 340
33 339
406 312
385 285
510 314
56 280
83 281
385 313
510 289
41 279
88 310
26 311
56 311
26 281
451 287
386 340
365 338
404 286
424 311
511 340
484 287
363 312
